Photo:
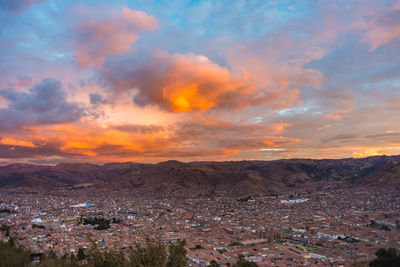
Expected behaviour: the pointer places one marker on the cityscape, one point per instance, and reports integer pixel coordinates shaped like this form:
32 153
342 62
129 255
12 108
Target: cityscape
322 223
175 133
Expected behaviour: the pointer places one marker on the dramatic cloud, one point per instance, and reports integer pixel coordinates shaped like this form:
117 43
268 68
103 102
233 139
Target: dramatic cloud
190 139
44 103
29 152
198 80
112 36
187 140
185 83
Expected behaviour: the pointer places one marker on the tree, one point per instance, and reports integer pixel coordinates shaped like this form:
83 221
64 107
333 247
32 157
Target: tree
107 259
11 256
153 254
177 254
6 229
386 258
51 260
213 263
81 254
242 262
11 241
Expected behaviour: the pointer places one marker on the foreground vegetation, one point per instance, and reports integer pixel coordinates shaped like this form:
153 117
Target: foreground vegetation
152 253
386 258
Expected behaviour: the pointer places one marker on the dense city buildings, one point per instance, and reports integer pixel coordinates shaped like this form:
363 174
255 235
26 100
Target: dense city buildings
321 226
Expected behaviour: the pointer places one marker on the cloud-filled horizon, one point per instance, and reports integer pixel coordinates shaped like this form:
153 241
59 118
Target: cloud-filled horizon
148 81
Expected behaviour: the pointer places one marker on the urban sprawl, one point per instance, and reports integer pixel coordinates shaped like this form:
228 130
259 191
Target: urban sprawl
315 227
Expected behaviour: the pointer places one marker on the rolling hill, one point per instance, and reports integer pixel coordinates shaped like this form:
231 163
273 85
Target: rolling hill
199 178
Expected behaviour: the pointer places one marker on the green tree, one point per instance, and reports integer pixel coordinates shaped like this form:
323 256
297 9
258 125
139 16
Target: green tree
11 241
177 254
81 254
386 258
51 260
152 254
107 259
213 263
242 262
11 256
6 229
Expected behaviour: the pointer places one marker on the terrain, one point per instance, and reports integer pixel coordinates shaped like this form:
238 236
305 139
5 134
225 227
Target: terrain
236 177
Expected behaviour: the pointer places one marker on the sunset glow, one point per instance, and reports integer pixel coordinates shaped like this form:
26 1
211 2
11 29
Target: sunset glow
148 81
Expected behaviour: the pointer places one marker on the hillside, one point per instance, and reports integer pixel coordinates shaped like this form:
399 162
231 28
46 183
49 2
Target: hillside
199 178
386 176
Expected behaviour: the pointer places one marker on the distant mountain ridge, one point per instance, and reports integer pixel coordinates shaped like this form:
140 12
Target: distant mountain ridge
196 178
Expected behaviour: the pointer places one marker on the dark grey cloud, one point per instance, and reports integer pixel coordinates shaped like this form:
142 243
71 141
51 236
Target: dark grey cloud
44 103
17 152
341 137
96 109
394 136
96 99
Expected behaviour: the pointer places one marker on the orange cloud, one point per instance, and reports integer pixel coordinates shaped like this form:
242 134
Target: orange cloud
185 83
190 82
112 36
16 142
279 127
326 126
337 115
194 139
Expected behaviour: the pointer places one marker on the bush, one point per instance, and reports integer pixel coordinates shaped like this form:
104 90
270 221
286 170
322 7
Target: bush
386 258
11 256
242 262
38 226
6 229
177 254
153 254
81 254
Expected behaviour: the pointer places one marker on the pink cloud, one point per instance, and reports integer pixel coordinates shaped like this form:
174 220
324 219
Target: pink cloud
337 115
112 36
381 29
23 80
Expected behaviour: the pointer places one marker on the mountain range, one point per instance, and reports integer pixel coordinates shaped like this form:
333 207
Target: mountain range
199 178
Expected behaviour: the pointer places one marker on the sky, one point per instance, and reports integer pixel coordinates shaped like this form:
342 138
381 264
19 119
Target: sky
155 80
